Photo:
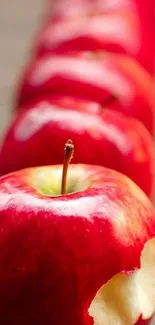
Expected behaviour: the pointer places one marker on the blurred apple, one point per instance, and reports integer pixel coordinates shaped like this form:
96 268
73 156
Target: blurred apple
108 138
93 76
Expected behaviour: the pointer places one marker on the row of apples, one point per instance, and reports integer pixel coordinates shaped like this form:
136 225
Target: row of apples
86 254
89 78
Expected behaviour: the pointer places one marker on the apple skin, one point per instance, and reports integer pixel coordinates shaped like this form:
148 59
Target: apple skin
69 8
110 139
108 32
135 35
95 77
53 249
76 103
147 26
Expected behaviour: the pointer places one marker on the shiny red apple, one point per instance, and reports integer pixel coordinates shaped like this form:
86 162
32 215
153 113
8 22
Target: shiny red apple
117 77
147 26
116 32
95 77
86 257
74 8
108 139
113 24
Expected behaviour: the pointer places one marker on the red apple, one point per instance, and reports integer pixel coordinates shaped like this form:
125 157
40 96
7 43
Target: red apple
74 8
65 258
75 103
114 25
95 77
108 139
147 27
112 32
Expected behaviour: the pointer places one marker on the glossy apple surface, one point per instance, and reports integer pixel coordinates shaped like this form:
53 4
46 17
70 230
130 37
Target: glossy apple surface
116 32
121 25
74 8
92 249
147 25
109 139
95 77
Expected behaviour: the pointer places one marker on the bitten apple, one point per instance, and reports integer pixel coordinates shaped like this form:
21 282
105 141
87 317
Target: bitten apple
86 257
108 139
95 77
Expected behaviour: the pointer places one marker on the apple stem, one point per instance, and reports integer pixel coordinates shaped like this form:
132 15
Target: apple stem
69 150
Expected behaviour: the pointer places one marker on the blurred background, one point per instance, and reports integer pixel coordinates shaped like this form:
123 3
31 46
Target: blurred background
18 22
